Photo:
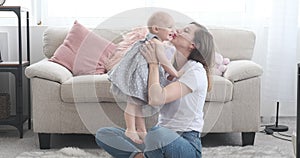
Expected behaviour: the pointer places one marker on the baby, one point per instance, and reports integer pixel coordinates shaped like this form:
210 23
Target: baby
130 77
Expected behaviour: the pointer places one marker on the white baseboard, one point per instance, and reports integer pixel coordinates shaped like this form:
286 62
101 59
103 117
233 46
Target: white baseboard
265 120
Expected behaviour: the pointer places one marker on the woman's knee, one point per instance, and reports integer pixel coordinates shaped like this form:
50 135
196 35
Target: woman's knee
106 132
103 131
100 133
159 137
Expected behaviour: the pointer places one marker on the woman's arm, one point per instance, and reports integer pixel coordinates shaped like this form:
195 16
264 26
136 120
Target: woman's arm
160 95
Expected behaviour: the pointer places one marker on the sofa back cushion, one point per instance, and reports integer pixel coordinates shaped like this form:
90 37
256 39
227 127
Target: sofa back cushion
232 43
53 37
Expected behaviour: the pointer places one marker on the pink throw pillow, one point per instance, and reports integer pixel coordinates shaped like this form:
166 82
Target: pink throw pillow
83 52
91 55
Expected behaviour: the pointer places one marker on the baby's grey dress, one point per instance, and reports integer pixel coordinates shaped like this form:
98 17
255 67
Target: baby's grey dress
129 79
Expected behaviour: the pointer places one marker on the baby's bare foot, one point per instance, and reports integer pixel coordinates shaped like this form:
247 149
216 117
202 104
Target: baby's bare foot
142 134
133 135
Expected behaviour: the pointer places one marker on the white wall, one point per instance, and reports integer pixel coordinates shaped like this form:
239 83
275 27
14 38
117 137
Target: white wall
36 47
298 48
7 84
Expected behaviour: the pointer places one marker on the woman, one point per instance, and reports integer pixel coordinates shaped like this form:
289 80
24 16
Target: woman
177 133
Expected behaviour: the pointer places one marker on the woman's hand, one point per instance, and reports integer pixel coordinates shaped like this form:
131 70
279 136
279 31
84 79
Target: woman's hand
148 50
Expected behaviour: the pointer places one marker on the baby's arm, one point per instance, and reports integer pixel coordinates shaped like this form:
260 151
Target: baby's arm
165 62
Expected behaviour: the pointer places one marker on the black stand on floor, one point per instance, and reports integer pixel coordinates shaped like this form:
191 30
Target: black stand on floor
298 115
0 57
276 127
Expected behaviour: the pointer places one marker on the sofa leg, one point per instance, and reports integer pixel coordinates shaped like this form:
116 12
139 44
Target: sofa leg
44 140
248 138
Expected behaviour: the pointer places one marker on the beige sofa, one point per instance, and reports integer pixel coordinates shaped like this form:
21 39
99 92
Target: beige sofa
67 104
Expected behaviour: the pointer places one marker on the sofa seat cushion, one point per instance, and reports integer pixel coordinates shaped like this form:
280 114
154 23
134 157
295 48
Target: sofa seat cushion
222 90
87 88
96 88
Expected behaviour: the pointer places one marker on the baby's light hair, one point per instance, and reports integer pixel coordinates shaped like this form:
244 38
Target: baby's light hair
158 18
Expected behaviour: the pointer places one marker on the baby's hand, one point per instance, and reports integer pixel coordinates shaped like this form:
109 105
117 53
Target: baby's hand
171 77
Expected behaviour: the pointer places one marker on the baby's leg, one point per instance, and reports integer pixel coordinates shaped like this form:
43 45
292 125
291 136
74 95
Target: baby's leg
130 121
140 123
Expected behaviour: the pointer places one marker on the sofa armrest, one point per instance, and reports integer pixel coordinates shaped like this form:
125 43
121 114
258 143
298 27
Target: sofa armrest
48 70
242 69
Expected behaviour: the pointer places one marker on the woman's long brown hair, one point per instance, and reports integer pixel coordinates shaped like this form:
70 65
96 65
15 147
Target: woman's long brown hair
204 50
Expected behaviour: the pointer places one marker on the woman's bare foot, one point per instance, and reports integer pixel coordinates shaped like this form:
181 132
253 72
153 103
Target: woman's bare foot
139 155
133 135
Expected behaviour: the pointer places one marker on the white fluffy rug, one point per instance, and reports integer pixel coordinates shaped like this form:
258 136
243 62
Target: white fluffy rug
68 152
213 152
246 152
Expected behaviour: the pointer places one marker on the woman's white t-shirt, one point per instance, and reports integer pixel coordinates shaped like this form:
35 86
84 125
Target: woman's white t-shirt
186 113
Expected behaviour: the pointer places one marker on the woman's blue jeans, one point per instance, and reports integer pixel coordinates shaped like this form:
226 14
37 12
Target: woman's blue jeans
160 142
